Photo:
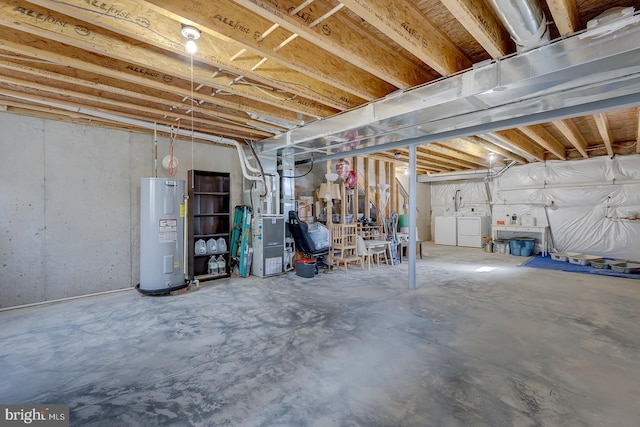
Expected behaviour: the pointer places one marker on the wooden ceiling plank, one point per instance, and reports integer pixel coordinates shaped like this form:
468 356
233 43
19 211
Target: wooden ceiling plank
74 32
452 154
214 17
404 23
20 43
605 131
565 15
344 38
496 149
570 131
240 122
515 139
543 138
481 22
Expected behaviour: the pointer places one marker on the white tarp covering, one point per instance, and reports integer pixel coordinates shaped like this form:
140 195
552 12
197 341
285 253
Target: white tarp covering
592 206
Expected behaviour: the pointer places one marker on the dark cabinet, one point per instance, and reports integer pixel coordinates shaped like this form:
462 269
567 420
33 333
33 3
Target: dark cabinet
209 217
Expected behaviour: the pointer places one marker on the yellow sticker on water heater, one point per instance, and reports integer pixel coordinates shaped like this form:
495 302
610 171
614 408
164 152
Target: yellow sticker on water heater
181 210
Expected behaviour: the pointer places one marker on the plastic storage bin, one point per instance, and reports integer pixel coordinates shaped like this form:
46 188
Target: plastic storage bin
306 267
522 246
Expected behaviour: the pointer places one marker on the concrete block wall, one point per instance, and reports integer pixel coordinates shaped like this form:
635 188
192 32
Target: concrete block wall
69 204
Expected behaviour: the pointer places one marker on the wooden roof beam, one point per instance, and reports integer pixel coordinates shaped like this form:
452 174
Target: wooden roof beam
571 132
95 39
404 23
213 18
543 138
481 22
515 139
344 38
605 131
565 15
496 149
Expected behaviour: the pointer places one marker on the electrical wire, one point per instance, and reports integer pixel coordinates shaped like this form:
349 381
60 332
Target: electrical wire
300 176
172 168
192 143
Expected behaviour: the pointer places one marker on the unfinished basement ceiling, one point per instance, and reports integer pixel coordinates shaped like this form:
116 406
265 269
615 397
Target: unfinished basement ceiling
265 67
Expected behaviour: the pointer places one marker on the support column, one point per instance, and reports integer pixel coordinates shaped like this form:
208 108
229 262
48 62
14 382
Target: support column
412 216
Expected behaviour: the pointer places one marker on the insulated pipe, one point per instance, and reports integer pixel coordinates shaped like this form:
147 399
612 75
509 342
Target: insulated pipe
525 21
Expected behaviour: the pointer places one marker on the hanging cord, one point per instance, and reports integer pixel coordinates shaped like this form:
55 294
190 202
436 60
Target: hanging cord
172 168
192 156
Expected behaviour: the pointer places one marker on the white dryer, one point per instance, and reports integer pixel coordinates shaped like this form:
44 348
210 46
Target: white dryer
471 230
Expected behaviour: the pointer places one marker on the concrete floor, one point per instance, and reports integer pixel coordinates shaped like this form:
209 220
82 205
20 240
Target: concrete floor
510 347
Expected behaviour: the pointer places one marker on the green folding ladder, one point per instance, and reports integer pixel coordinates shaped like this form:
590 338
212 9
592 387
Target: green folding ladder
241 250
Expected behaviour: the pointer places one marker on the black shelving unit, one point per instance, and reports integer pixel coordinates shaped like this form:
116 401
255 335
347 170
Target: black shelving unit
209 217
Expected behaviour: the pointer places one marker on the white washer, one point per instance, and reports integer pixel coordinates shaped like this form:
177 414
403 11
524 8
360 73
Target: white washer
471 230
445 232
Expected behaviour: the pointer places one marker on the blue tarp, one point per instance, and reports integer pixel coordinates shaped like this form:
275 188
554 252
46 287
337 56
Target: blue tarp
549 264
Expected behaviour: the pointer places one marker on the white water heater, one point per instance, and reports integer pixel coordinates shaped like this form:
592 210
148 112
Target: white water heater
161 235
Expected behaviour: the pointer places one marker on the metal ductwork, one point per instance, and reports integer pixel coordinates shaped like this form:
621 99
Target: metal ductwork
525 21
591 71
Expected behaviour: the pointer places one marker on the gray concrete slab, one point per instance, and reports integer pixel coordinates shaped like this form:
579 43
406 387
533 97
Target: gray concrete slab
509 347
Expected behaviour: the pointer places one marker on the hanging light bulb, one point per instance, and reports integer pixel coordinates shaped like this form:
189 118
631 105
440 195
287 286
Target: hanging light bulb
191 46
191 34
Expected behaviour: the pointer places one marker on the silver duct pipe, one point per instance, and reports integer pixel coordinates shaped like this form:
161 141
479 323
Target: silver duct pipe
525 21
504 169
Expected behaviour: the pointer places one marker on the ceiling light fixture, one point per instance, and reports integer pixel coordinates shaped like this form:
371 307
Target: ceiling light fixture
191 34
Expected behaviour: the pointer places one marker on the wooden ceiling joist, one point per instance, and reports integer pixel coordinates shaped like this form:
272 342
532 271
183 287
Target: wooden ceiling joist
543 138
404 23
517 140
565 15
104 42
483 24
21 43
314 61
342 37
605 132
571 132
489 146
164 32
232 121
